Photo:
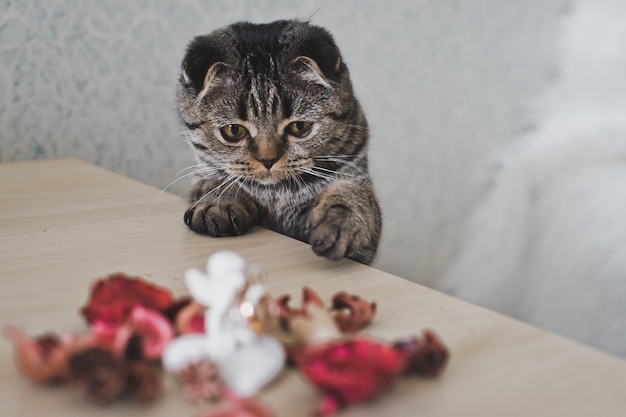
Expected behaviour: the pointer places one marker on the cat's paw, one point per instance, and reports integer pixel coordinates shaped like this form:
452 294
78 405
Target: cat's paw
231 218
336 231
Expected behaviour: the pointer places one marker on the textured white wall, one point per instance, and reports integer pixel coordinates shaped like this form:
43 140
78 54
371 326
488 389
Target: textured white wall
442 82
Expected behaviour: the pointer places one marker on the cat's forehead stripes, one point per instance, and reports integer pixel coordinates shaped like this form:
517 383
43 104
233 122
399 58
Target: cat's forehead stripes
262 98
260 47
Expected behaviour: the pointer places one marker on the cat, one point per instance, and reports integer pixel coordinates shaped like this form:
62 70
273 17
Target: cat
547 243
280 139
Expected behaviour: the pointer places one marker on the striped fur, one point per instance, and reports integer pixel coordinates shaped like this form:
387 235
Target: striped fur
299 166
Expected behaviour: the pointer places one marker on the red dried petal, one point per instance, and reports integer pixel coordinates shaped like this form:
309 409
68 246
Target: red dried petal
113 298
352 313
350 371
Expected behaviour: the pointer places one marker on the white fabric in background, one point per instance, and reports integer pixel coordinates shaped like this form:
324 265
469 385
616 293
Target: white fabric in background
547 242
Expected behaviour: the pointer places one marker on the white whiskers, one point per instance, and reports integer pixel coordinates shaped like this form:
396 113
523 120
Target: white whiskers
195 169
221 187
316 172
341 160
174 136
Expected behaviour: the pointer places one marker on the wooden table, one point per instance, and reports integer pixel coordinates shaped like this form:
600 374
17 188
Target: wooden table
66 223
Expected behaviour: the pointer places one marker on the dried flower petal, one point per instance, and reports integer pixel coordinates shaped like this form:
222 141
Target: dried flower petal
155 331
190 319
106 376
144 381
112 336
349 371
318 326
352 313
177 305
133 322
426 356
311 323
113 298
309 297
43 359
99 372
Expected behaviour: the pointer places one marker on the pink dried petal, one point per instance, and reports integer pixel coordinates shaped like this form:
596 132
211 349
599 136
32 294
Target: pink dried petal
190 319
111 335
42 359
156 332
152 328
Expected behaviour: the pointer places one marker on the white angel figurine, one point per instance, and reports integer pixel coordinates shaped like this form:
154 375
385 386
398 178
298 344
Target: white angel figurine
247 360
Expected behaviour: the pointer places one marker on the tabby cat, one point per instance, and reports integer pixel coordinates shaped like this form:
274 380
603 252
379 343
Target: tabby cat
280 138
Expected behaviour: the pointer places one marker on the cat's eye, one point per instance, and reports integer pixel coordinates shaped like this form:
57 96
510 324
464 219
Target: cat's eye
233 133
299 128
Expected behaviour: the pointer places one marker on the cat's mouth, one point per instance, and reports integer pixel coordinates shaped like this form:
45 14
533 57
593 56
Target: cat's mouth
268 178
273 177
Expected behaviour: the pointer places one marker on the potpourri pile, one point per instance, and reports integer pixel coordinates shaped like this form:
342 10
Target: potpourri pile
223 344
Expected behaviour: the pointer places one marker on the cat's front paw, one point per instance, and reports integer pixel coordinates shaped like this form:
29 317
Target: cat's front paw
231 218
336 232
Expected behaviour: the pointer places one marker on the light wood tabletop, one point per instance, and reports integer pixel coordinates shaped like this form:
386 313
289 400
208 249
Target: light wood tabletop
66 223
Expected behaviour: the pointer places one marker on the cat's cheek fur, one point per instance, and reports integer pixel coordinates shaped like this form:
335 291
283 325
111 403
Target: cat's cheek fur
345 223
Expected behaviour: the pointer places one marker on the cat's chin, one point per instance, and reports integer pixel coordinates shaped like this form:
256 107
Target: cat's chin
268 179
272 180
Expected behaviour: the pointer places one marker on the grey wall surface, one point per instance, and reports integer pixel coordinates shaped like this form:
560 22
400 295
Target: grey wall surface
442 81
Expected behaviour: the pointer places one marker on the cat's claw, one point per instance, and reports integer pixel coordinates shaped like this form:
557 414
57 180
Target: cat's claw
333 233
220 220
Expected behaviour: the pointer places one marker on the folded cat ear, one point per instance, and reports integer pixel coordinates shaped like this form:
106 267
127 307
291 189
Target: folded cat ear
203 66
211 78
310 71
320 57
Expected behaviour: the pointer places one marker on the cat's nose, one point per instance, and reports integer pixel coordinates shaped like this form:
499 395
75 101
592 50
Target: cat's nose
268 163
